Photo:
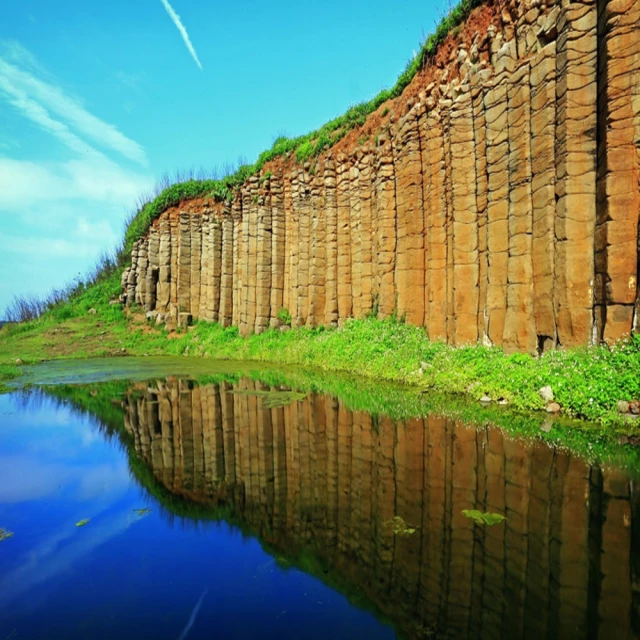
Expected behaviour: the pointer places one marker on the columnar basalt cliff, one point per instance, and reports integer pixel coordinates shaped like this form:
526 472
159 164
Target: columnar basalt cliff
497 200
314 478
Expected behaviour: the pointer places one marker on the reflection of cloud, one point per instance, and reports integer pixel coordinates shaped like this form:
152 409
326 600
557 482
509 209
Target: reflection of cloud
59 553
105 479
22 479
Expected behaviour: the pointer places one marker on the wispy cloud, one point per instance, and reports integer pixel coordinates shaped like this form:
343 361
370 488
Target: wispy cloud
183 32
37 99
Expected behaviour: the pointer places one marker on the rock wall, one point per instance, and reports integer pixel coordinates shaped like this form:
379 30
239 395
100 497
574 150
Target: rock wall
315 479
496 201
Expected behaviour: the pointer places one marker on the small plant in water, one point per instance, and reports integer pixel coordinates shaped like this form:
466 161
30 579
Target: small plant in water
5 534
483 519
400 527
142 512
82 523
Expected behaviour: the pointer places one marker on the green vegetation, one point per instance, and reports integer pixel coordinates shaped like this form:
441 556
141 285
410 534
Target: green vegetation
83 523
304 147
7 372
483 519
284 316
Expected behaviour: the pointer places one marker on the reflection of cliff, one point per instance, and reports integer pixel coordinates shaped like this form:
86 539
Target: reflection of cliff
496 200
314 479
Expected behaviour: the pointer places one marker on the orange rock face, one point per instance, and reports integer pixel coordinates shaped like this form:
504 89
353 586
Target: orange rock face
499 203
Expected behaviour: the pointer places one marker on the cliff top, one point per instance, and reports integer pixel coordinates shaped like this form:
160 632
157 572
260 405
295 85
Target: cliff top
348 130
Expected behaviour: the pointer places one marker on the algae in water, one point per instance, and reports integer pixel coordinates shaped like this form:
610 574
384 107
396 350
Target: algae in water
5 534
483 519
83 522
273 399
400 527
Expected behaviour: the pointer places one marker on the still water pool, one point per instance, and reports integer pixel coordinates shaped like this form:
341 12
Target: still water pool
235 506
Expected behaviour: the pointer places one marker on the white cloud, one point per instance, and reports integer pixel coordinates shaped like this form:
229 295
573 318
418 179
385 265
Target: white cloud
35 98
183 32
25 183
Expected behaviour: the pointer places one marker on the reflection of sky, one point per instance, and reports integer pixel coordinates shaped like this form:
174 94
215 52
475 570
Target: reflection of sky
128 576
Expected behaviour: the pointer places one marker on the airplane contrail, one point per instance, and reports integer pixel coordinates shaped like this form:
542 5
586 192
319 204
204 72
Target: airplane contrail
194 615
183 32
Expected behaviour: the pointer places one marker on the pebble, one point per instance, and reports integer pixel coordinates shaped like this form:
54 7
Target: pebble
546 393
485 399
553 407
622 406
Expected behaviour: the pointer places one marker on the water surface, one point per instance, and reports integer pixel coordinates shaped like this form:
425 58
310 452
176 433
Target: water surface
233 508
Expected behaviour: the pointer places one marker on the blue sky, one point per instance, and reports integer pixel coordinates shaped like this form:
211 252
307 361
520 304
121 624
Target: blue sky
98 99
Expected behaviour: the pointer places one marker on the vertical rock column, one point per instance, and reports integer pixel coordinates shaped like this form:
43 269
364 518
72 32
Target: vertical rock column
263 266
304 229
141 271
519 329
435 224
225 315
355 231
331 243
345 305
465 221
410 253
543 117
366 223
482 190
216 264
384 189
317 267
277 245
293 239
619 168
497 133
196 263
184 264
205 311
576 125
164 262
152 269
132 276
237 227
174 230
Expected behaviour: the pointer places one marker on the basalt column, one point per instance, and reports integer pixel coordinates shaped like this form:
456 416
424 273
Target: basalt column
617 239
410 253
575 152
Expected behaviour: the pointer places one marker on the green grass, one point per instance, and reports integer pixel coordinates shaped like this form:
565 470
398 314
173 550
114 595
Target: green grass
304 147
